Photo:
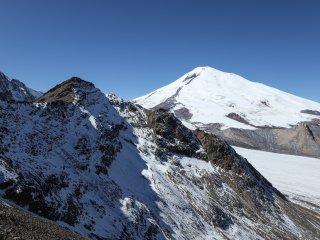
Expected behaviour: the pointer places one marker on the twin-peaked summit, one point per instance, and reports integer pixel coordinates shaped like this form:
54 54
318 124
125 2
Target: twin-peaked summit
206 95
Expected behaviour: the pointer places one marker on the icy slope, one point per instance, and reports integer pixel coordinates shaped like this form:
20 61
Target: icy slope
206 95
296 176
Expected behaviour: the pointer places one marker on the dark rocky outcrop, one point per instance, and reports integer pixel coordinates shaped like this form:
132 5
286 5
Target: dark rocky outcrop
183 114
237 117
311 112
189 78
169 103
171 136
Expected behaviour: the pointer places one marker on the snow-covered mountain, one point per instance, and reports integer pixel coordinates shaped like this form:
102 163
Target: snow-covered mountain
12 89
244 113
211 96
110 169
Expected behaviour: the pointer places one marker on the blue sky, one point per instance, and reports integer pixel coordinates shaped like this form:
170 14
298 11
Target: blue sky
133 47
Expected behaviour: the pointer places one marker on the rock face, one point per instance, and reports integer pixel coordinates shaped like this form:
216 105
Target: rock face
14 90
109 169
244 113
302 139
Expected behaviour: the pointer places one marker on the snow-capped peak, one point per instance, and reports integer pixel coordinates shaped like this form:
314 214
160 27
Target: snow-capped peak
212 74
210 96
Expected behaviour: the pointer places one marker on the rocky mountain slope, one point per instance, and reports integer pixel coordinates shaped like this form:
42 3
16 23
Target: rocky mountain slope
109 169
244 113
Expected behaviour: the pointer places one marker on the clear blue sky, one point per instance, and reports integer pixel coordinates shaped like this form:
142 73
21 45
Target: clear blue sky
133 47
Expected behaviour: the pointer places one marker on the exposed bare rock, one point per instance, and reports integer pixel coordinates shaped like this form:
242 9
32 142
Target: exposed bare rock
302 139
311 112
183 113
171 136
238 118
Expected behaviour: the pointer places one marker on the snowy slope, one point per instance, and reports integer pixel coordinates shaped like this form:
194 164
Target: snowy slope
296 176
208 95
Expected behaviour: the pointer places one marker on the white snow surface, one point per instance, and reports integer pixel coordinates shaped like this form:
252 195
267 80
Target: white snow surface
210 95
296 176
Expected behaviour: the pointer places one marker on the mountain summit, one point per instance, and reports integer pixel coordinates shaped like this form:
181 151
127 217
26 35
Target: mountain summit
71 90
245 113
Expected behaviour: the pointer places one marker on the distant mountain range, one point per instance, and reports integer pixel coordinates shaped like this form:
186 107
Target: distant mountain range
242 112
14 90
109 169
